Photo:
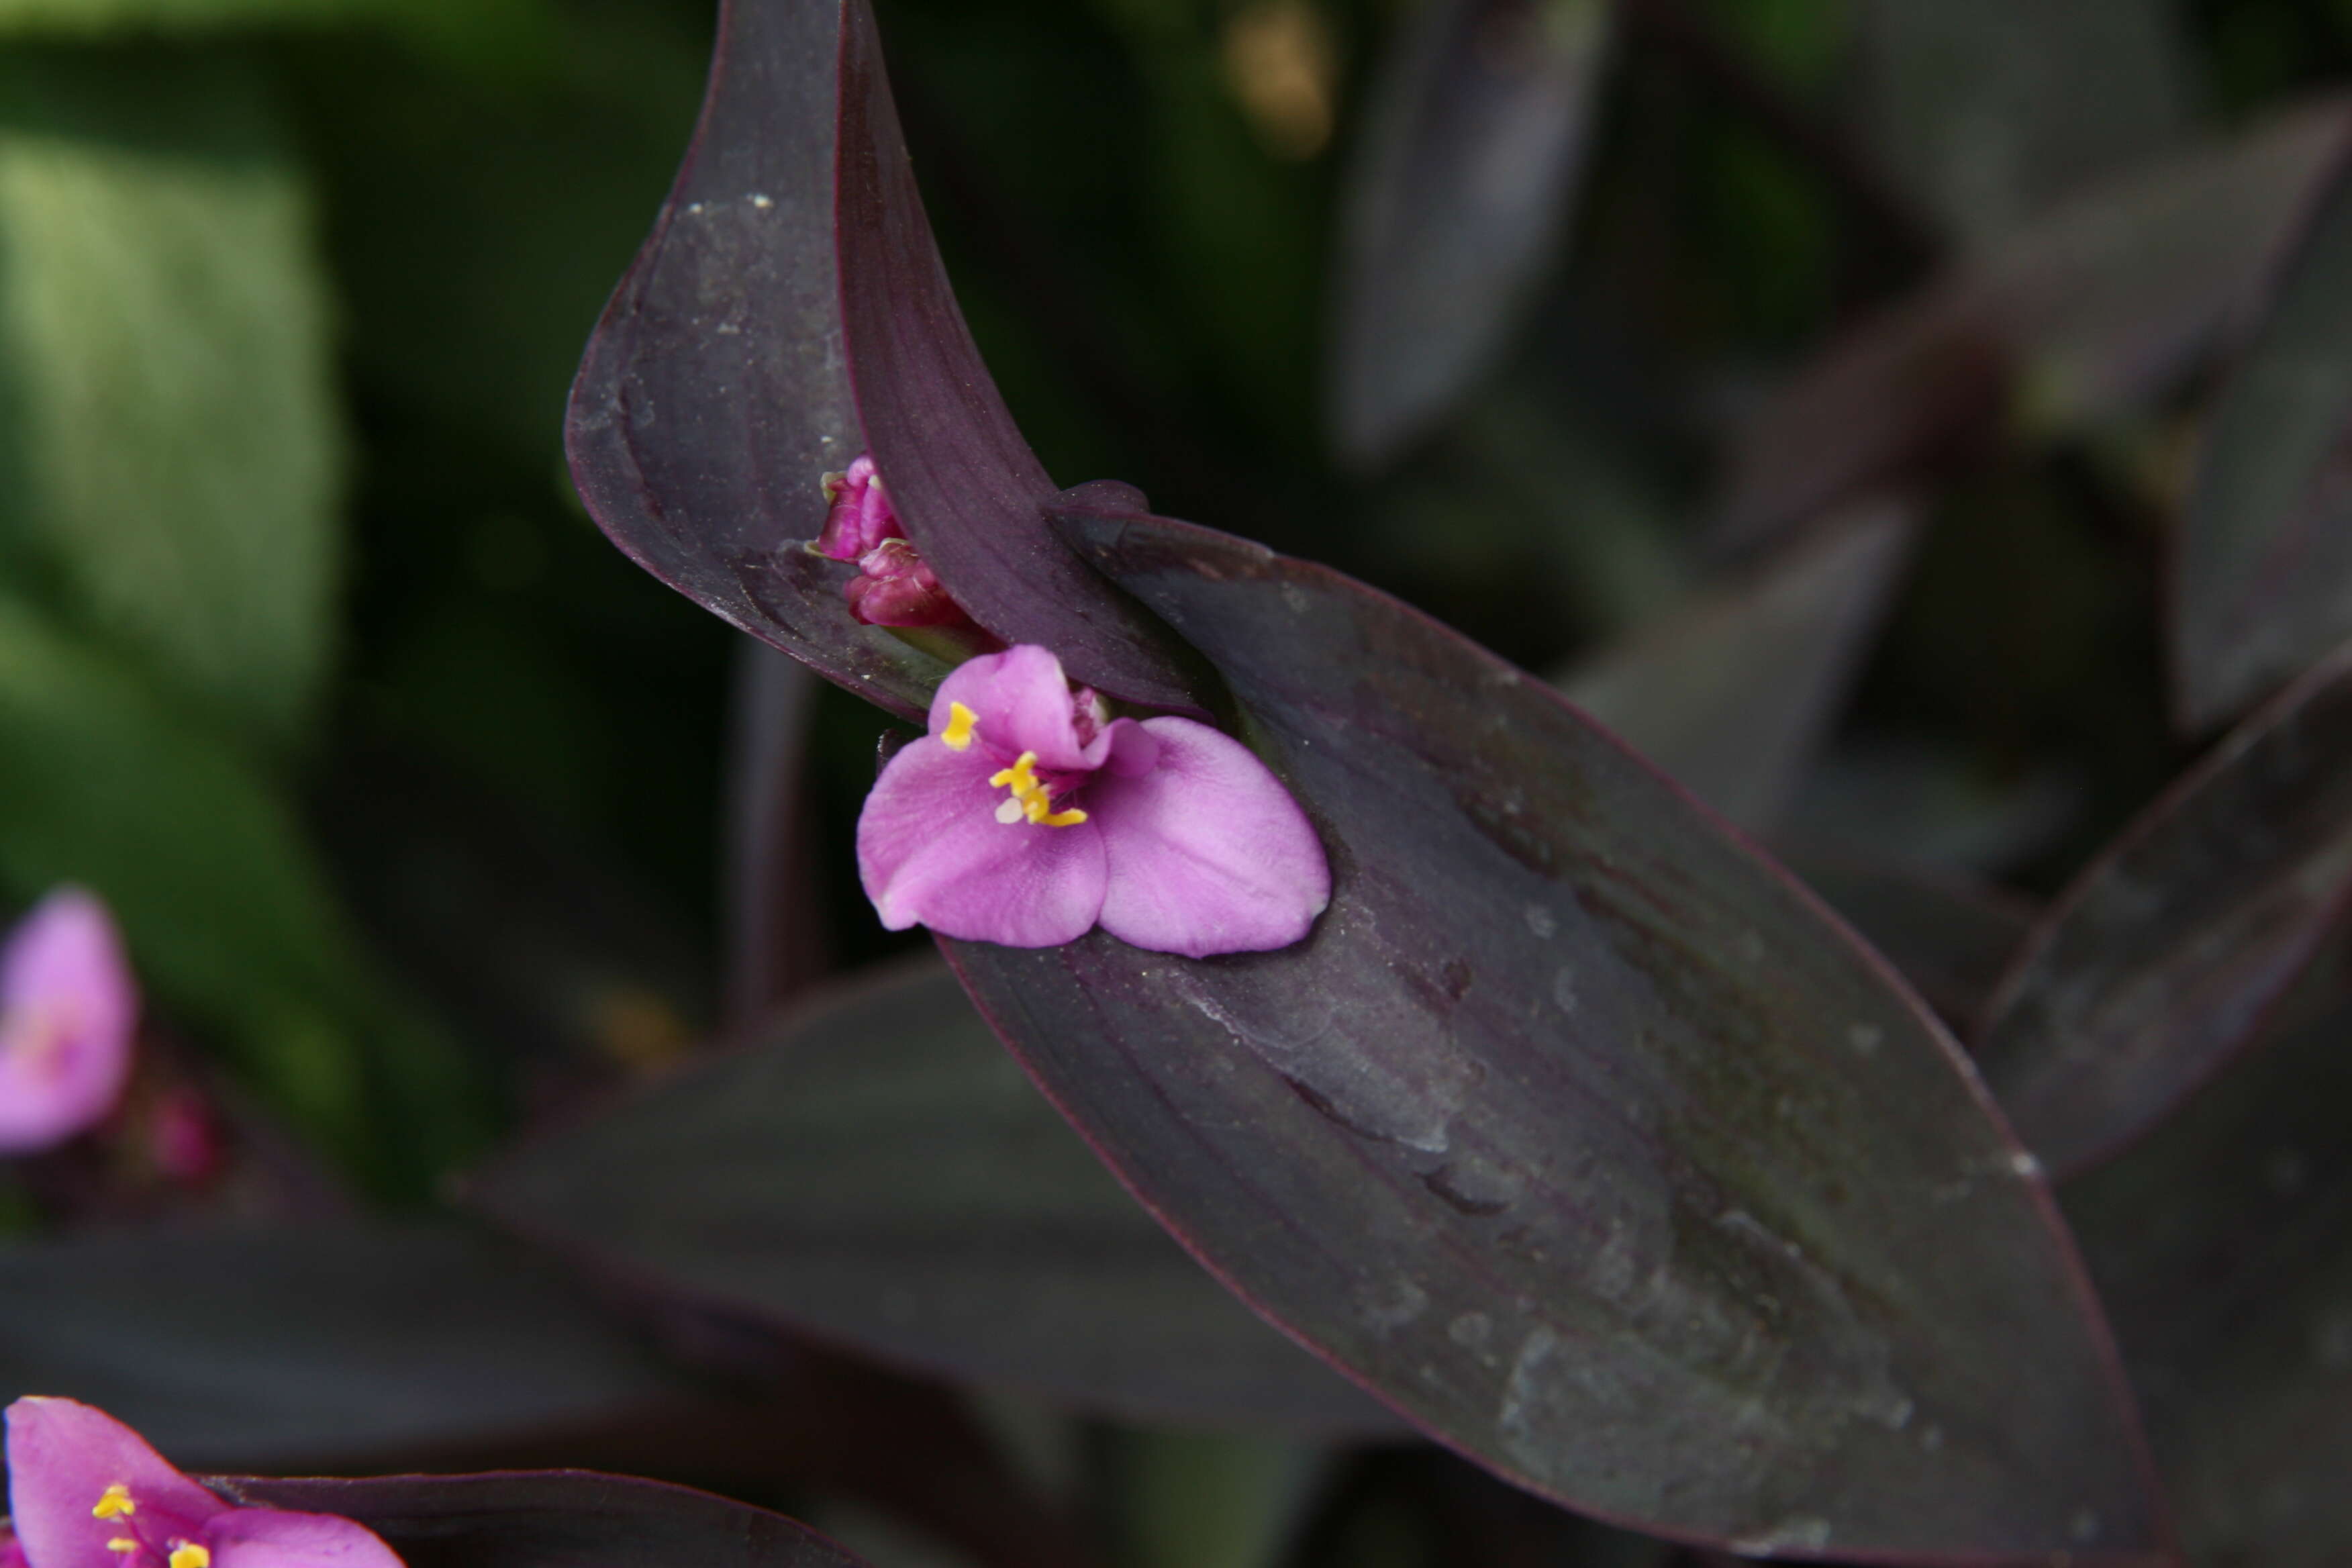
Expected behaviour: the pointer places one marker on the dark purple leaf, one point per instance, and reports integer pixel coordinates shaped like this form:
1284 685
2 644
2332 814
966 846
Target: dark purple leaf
2165 954
715 393
1952 938
2088 312
718 389
969 490
2262 567
555 1519
1987 109
1730 696
876 1171
2223 1246
1574 1131
311 1346
1471 156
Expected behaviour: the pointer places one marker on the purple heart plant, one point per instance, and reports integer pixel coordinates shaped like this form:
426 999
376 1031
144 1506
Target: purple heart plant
1439 1028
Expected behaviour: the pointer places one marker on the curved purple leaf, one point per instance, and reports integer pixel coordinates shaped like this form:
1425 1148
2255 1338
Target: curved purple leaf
969 490
1730 696
2262 563
718 389
553 1519
1455 203
1575 1132
2165 956
715 394
2223 1246
2090 310
876 1172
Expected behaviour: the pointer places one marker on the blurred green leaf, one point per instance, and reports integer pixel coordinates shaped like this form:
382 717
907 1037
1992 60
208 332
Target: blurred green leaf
229 922
1200 1500
495 33
172 454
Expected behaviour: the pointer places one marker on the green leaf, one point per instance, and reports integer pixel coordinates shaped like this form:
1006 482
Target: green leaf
229 923
467 32
172 455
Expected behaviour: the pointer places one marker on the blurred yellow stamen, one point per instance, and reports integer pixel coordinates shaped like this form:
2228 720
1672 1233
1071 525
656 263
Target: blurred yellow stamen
188 1554
956 736
114 1502
122 1543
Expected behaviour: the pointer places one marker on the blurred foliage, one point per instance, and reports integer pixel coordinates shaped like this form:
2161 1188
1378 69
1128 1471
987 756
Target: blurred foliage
297 613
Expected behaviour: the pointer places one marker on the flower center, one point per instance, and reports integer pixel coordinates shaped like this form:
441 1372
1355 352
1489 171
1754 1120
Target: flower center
1032 799
177 1551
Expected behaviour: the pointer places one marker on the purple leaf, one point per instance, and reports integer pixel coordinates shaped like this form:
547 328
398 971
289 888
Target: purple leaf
2165 954
560 1519
715 393
312 1345
876 1172
969 492
2220 1246
1730 696
1967 106
2090 310
731 368
2262 564
1470 161
1952 937
1575 1132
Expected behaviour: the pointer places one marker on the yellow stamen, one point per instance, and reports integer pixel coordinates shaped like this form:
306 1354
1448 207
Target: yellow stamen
1031 799
188 1554
956 736
114 1502
1021 778
122 1543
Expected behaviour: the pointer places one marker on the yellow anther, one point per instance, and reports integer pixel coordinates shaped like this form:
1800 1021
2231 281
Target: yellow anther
122 1543
1031 799
114 1502
1021 778
188 1554
956 736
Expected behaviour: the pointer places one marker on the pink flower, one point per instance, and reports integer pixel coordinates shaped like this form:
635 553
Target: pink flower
69 1010
86 1492
861 517
894 586
1026 816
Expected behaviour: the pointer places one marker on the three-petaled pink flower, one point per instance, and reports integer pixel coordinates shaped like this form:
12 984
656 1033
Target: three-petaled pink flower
69 1013
1028 816
86 1492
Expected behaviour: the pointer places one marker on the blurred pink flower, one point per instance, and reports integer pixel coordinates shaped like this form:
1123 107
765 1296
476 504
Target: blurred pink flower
1027 815
86 1492
69 1013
